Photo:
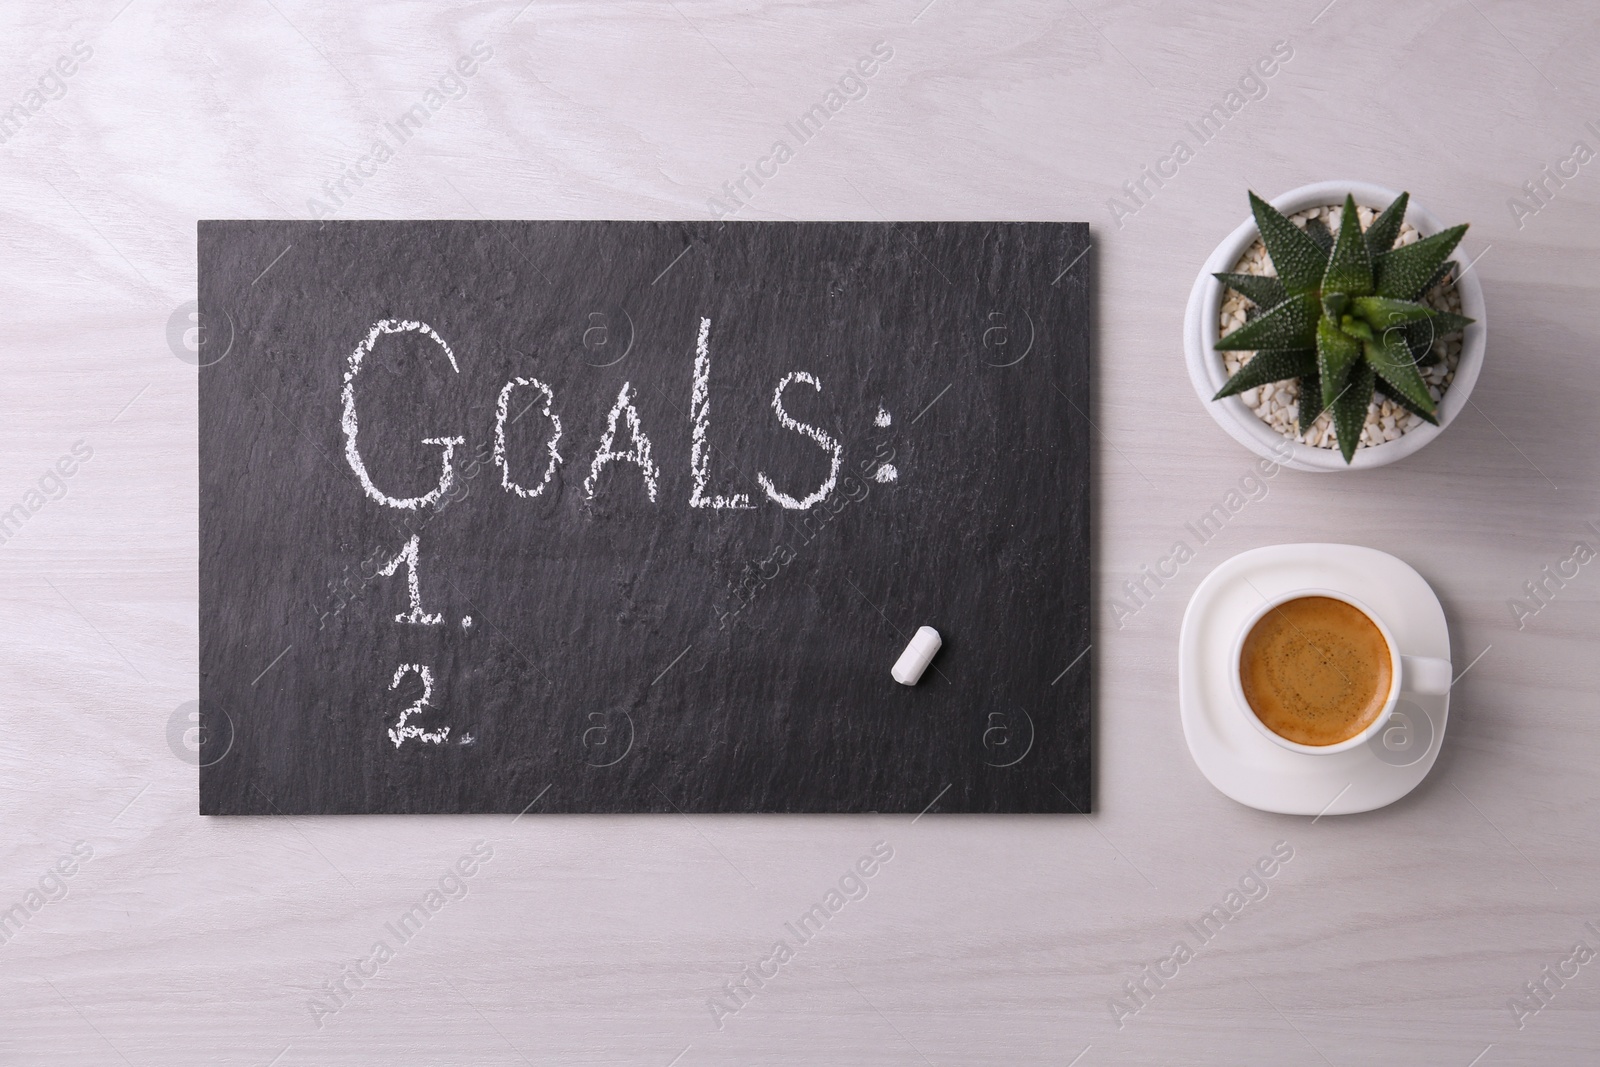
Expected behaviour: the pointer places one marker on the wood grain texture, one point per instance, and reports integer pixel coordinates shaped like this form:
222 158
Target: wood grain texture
1393 937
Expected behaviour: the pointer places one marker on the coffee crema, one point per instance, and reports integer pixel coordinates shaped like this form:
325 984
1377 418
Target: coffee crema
1316 670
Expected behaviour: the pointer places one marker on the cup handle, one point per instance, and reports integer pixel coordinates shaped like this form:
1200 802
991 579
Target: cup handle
1424 675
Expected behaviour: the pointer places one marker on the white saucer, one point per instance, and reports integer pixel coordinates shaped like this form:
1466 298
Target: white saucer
1232 753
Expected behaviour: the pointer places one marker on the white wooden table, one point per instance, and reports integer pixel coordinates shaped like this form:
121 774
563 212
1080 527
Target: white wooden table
1394 937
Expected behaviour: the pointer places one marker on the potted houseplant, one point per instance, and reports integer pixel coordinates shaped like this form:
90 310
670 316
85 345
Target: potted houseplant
1333 330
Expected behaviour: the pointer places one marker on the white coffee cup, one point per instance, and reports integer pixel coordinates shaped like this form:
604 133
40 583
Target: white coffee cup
1419 675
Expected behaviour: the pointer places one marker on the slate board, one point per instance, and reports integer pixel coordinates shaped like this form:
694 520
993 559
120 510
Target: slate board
624 654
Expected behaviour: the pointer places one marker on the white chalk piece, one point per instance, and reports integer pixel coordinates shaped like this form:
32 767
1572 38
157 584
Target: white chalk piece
918 654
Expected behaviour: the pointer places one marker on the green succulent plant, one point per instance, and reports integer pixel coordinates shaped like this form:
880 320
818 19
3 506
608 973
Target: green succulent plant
1343 315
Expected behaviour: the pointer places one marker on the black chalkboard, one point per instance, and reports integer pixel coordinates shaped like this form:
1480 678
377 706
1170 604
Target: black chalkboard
417 596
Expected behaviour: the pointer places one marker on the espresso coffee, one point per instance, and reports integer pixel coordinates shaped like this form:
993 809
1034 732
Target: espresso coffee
1316 670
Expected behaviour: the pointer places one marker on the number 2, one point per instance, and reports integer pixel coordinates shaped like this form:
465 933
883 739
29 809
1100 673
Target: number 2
400 730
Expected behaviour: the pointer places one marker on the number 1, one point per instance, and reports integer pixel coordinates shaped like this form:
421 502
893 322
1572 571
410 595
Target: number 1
408 556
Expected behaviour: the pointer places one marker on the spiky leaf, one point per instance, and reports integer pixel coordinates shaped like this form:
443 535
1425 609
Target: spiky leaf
1337 352
1350 408
1391 360
1349 266
1382 312
1271 365
1448 322
1445 270
1419 337
1360 329
1292 324
1261 290
1404 272
1320 233
1295 255
1399 398
1386 227
1310 399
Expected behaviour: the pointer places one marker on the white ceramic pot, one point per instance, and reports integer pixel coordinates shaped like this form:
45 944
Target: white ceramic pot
1208 373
